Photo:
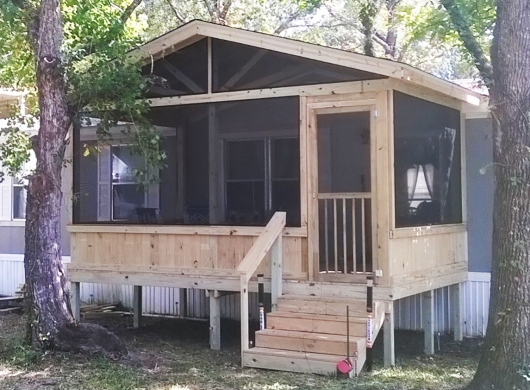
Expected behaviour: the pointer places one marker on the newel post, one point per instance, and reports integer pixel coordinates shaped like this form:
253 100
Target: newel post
276 271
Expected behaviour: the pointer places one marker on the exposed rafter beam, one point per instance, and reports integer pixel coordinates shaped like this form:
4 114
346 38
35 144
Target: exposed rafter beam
181 76
244 70
272 79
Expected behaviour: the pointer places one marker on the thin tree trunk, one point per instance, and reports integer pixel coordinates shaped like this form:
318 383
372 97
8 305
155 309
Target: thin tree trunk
505 360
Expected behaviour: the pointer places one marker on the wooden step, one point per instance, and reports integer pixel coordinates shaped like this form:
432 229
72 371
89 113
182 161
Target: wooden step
316 323
308 342
325 306
305 362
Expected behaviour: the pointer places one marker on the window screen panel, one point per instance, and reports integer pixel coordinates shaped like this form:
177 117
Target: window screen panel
241 67
427 163
184 72
230 163
245 160
286 158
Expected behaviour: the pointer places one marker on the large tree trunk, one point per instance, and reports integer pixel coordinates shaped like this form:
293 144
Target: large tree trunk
505 361
52 324
45 279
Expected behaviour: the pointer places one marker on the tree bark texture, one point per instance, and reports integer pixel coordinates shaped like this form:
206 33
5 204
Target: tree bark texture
52 324
505 361
45 279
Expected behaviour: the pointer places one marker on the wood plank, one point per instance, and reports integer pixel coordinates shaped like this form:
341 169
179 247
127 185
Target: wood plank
389 356
303 362
303 134
457 312
308 342
262 245
276 272
137 307
253 231
213 166
345 195
427 319
421 231
75 301
333 290
350 87
245 341
333 306
215 322
382 169
316 323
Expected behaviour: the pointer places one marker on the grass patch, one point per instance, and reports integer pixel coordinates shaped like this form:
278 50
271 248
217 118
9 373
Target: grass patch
174 355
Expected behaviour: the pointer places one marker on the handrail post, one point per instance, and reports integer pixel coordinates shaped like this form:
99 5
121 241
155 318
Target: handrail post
276 271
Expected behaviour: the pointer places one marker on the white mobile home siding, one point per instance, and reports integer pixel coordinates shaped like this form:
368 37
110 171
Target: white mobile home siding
165 300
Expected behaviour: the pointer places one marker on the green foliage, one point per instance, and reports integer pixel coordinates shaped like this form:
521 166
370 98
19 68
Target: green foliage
269 16
19 354
100 74
109 375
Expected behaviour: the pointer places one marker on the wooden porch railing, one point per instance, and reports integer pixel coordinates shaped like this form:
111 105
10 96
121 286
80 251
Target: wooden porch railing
269 240
340 213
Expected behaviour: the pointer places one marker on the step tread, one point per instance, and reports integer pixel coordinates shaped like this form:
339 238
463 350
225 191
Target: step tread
293 361
292 334
298 297
295 354
322 317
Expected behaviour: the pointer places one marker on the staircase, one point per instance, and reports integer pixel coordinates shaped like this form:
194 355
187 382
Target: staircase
308 334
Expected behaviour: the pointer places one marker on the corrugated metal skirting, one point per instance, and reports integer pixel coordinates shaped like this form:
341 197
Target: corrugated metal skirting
474 300
165 300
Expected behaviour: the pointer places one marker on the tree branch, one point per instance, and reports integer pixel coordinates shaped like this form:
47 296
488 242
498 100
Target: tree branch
179 17
482 62
129 10
285 24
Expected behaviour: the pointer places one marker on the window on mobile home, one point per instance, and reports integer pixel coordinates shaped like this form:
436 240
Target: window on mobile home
13 192
427 163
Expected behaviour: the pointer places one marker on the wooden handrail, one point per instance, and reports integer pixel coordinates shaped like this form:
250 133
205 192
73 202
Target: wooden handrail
261 247
345 195
269 240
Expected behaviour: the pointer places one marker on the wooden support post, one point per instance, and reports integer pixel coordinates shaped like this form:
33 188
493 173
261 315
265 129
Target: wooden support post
213 164
427 303
244 319
75 301
276 271
183 302
388 332
137 307
458 324
215 321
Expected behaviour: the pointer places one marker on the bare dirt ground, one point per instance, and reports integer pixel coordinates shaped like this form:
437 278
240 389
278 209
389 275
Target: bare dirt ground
173 354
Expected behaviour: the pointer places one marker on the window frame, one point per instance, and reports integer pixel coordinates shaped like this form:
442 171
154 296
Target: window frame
428 230
268 180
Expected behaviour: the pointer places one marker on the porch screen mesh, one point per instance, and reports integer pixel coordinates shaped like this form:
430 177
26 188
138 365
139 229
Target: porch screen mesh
427 163
232 163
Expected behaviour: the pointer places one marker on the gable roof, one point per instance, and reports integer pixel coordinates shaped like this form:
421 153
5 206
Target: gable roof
196 30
